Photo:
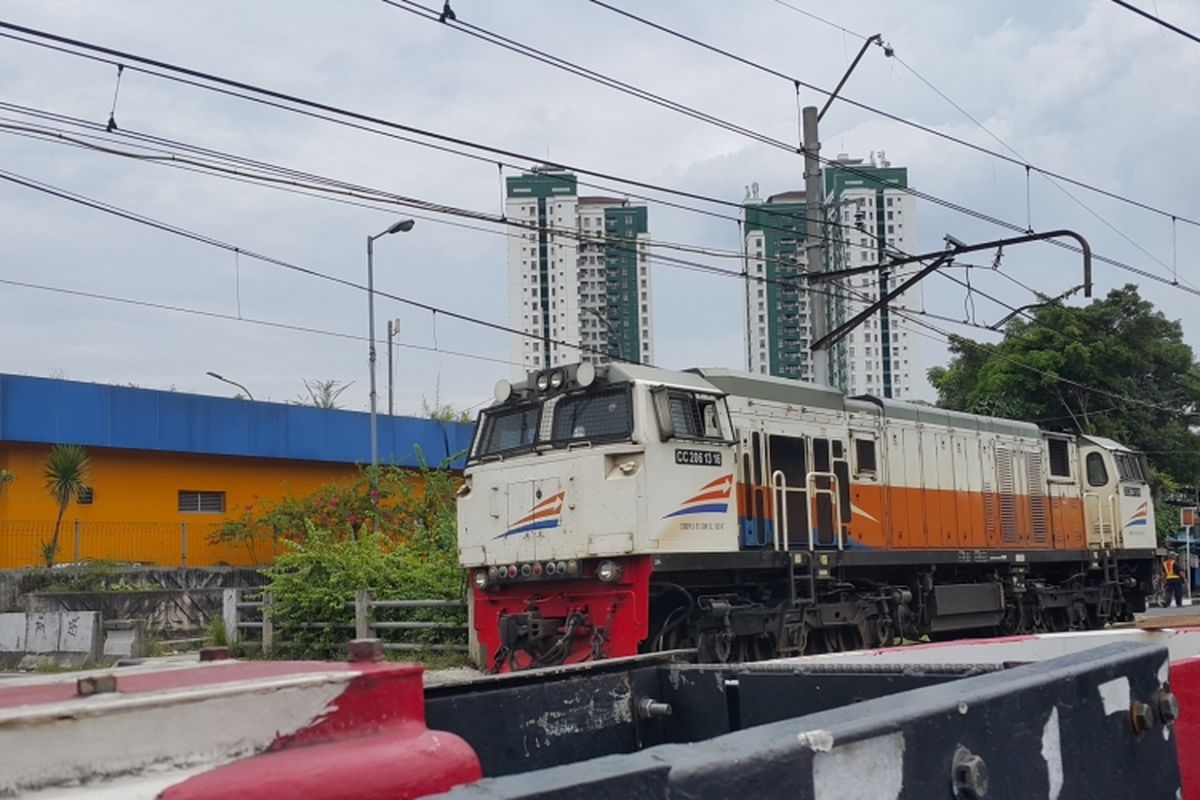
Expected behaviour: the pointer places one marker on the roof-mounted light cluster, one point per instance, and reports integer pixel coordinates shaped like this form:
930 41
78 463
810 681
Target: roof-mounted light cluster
548 381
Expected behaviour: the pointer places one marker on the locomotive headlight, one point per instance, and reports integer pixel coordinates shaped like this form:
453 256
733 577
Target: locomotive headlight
481 579
557 379
608 571
543 382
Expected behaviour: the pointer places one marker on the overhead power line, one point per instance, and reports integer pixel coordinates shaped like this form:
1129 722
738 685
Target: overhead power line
426 13
179 231
199 312
1020 162
1159 20
318 185
288 102
398 126
891 53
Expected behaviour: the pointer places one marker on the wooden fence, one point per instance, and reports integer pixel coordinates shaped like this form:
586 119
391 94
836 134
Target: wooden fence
249 622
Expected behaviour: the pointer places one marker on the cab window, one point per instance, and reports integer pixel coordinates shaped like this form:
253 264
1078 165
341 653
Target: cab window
593 416
508 429
1129 467
1097 473
688 415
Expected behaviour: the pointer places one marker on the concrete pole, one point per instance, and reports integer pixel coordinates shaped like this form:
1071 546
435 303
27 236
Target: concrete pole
391 372
371 352
814 242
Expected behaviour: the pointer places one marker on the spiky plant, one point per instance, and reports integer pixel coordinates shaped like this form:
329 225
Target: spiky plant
66 475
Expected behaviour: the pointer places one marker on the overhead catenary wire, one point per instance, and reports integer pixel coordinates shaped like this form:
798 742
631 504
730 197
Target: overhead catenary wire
564 166
1158 20
509 44
287 102
619 245
912 316
282 100
887 115
213 242
200 312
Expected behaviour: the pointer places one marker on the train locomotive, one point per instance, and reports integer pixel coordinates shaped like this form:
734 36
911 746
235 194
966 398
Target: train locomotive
615 509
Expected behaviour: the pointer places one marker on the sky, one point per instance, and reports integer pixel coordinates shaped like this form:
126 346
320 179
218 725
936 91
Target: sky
1087 90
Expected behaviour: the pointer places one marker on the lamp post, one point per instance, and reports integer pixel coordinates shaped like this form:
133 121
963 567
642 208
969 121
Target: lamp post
402 226
212 374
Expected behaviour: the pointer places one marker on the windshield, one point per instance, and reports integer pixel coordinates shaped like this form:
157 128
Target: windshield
593 416
600 414
1131 467
510 428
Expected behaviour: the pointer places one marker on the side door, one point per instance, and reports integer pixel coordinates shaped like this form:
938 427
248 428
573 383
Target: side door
787 460
1099 496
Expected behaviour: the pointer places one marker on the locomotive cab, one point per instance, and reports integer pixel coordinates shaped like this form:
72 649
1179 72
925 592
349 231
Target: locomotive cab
1118 510
557 526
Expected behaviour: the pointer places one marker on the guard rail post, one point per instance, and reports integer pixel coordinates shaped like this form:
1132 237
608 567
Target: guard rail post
268 628
362 614
229 612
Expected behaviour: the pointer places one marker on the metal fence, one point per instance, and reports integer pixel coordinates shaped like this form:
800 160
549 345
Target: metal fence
249 622
26 543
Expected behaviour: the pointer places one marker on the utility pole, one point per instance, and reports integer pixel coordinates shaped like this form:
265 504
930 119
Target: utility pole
393 330
814 250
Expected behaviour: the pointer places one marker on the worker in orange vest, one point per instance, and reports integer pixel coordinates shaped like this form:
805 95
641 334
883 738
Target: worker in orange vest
1173 581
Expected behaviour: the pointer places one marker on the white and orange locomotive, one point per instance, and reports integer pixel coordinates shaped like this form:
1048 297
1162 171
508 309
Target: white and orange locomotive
618 509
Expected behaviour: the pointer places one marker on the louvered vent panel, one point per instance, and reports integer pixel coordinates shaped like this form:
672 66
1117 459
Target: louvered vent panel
1035 481
989 511
1006 490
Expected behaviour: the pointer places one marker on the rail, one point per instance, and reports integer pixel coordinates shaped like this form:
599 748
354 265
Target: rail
249 622
835 497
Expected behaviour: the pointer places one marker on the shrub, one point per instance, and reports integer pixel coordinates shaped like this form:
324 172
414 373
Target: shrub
316 579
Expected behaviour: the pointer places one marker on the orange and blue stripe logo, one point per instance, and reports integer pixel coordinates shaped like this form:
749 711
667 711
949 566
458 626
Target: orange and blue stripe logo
546 514
1139 516
713 498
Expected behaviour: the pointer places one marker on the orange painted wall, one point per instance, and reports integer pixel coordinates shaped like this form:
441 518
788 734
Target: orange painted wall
135 514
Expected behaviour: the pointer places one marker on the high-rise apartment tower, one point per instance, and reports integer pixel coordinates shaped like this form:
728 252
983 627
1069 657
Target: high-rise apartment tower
578 274
869 218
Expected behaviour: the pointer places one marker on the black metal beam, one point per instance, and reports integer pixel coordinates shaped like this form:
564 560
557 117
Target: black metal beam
840 331
1095 724
819 277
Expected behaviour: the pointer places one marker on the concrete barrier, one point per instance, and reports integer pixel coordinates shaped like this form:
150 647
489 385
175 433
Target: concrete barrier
61 638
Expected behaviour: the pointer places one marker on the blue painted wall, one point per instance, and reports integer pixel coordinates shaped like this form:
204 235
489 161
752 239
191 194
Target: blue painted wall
44 410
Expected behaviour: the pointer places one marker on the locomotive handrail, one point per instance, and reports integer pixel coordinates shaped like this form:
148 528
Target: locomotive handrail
1114 514
779 483
1099 513
837 505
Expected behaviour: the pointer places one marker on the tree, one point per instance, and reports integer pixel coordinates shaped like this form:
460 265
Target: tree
1115 368
323 394
66 474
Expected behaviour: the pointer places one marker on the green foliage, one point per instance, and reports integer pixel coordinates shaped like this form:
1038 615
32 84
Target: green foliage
323 393
1115 368
316 580
216 635
402 505
66 475
329 551
6 477
95 576
444 412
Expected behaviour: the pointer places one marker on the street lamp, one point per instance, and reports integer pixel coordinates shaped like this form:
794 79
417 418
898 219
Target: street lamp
402 226
212 374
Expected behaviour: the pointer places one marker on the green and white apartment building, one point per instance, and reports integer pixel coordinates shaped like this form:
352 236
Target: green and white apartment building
871 213
578 273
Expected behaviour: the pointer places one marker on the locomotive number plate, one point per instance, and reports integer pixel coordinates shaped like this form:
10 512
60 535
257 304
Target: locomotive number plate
698 458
